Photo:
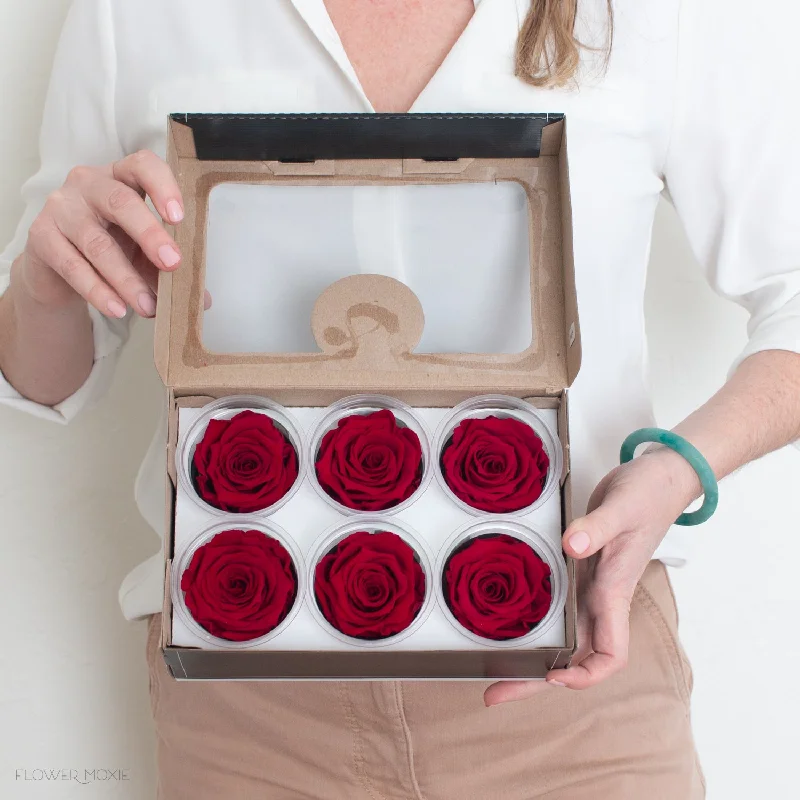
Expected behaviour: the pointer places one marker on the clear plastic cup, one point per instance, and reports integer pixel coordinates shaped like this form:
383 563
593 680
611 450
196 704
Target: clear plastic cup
373 524
542 546
226 408
367 404
501 406
184 559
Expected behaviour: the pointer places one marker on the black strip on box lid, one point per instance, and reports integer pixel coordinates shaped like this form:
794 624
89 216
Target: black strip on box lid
312 137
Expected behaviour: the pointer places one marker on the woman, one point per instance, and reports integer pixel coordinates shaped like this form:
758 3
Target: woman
671 105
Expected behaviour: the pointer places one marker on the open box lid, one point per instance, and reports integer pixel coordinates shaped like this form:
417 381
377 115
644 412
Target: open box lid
367 326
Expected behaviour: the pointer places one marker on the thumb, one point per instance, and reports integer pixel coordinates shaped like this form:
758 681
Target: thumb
586 535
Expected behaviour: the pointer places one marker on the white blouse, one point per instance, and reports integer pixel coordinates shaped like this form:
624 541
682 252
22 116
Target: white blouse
696 100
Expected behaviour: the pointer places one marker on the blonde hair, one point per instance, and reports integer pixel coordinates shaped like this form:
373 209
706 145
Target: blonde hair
548 52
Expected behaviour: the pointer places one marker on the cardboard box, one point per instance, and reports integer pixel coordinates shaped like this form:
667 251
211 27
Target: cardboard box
205 151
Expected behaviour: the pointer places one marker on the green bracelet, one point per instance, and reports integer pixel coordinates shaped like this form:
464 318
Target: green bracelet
692 455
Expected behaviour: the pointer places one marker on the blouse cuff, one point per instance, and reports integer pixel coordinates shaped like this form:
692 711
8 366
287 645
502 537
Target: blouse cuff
109 335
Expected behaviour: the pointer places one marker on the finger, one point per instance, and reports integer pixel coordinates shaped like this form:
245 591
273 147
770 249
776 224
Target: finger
583 631
147 270
610 637
103 252
141 263
586 535
118 203
145 170
56 252
150 273
510 691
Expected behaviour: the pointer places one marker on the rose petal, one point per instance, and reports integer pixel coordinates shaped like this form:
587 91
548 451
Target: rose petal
496 465
240 585
497 587
370 586
368 462
244 464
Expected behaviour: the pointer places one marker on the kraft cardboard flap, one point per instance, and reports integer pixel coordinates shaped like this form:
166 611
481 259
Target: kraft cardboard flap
366 327
367 319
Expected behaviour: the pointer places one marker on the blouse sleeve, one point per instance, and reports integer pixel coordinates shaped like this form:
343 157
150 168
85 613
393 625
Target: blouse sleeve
733 165
78 128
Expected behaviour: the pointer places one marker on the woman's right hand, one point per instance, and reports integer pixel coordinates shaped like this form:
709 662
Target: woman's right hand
97 238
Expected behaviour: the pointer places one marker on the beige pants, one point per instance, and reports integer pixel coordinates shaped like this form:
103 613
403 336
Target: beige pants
628 739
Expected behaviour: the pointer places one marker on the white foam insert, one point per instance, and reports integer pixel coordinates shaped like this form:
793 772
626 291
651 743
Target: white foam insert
306 517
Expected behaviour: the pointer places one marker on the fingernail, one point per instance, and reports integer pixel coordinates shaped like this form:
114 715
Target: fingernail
147 303
207 301
169 255
556 683
579 542
174 211
117 309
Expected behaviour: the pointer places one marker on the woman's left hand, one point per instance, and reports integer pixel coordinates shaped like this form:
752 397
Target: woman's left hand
628 515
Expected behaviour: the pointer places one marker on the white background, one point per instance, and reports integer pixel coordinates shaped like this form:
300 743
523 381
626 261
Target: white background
73 683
